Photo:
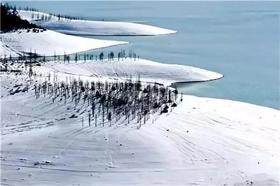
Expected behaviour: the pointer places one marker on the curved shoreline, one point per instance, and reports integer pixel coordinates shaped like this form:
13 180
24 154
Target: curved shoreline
186 82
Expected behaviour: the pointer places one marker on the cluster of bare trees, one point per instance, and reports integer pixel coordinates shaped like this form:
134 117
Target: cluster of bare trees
12 64
105 103
111 56
33 57
101 56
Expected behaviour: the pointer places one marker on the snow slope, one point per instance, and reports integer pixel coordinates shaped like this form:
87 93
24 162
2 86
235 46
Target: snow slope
49 42
7 51
149 71
201 142
87 27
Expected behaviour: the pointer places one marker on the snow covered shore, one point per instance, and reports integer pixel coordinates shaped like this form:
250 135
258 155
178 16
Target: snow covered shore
48 43
201 142
149 71
87 27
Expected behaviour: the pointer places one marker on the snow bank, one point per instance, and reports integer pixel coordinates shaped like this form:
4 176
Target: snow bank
201 142
149 71
86 27
50 42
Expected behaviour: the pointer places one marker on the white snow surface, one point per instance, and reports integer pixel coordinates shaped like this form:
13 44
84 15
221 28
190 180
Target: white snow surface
48 43
88 27
203 141
124 69
7 51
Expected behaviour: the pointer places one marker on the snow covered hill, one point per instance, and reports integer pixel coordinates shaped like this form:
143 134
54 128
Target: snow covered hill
87 27
201 142
48 43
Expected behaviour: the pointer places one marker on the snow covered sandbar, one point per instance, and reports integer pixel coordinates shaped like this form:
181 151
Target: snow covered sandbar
148 71
88 27
48 43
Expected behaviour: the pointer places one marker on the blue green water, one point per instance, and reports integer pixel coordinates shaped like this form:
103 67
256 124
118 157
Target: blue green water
238 39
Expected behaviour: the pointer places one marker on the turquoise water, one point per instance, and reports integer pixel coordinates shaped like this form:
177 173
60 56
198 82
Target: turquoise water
237 39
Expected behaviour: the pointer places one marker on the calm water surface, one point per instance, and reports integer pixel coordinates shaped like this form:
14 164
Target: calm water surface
237 39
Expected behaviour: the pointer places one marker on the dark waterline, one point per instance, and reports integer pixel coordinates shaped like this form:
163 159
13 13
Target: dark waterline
238 39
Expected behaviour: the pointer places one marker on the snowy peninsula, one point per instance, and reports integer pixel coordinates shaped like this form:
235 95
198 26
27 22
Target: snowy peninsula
124 69
48 43
88 27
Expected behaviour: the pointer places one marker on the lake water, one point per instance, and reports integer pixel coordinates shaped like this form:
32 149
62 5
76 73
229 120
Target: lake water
238 39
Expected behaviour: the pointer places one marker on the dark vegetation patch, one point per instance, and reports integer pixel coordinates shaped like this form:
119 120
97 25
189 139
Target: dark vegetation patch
11 21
